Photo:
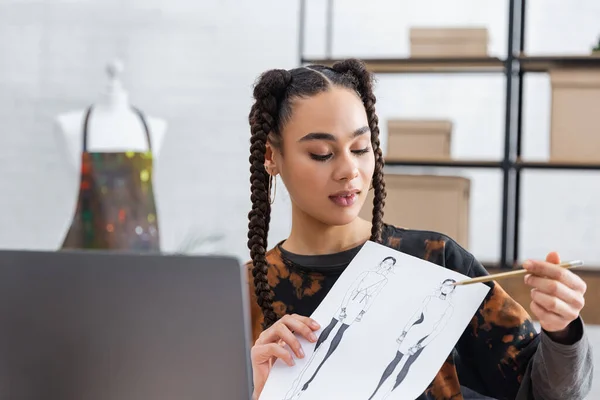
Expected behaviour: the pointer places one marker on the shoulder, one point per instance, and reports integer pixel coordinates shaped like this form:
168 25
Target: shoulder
273 259
273 271
432 246
158 129
158 124
69 123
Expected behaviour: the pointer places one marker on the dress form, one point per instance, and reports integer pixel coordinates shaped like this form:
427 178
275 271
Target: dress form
113 125
110 148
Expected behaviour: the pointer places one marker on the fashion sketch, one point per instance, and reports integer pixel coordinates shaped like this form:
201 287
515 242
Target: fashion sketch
358 299
423 326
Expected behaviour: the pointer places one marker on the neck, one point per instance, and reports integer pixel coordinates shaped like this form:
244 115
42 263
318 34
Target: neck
311 237
114 98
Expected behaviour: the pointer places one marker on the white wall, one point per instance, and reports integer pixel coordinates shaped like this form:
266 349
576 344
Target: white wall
184 62
193 63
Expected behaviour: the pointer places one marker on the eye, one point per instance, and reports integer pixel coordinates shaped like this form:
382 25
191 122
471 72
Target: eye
319 157
362 151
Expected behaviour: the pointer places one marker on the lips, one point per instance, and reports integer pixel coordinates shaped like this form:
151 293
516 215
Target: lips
345 198
345 193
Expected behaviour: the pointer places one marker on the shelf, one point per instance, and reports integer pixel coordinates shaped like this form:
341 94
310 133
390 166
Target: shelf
556 165
493 266
425 65
492 164
512 110
547 63
444 163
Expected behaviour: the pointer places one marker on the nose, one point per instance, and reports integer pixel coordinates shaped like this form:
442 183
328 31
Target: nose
347 167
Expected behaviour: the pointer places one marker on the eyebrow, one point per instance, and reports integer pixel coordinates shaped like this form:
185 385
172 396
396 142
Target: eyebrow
330 137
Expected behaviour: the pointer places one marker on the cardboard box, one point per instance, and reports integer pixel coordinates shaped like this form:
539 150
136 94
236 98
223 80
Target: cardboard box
426 202
575 118
448 42
418 140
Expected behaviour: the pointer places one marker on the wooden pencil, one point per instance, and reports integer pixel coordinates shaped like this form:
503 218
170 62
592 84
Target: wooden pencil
519 272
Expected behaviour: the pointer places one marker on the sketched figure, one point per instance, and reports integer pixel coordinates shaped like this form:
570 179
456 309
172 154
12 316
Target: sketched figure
358 299
423 326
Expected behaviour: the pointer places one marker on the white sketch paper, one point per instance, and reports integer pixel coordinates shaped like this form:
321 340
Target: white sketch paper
422 328
387 326
356 302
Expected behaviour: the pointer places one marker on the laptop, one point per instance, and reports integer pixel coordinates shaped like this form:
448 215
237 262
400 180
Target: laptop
114 326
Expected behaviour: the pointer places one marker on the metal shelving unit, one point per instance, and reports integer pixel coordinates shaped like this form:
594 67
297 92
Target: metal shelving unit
424 65
513 67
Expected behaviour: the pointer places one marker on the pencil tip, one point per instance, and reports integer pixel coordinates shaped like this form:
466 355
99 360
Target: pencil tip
577 263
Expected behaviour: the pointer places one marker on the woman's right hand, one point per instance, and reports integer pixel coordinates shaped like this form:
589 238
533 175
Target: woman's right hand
271 343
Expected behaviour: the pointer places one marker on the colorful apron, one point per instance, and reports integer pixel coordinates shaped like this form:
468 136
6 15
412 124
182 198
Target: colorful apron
115 208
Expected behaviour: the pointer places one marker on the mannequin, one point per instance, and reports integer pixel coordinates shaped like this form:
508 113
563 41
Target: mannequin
110 149
114 126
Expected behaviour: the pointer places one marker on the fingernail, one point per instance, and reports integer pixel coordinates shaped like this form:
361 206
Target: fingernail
313 337
315 325
527 264
301 352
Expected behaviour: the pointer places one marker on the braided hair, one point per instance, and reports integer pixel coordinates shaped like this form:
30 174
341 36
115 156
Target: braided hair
272 109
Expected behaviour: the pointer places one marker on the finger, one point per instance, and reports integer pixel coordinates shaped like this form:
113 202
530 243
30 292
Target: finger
556 289
311 323
553 258
554 305
280 332
264 353
272 334
556 272
548 320
284 330
571 282
303 326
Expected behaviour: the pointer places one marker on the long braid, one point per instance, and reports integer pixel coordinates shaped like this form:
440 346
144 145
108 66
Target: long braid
263 121
365 89
274 95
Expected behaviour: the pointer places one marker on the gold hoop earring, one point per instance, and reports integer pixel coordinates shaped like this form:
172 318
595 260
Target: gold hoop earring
271 180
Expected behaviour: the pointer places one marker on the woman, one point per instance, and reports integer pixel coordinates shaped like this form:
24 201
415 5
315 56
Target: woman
317 129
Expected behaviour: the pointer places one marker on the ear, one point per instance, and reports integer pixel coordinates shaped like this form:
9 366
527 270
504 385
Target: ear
270 164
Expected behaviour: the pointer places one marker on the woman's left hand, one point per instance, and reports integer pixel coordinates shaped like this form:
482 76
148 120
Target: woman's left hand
557 294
